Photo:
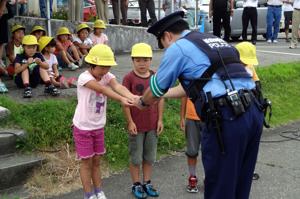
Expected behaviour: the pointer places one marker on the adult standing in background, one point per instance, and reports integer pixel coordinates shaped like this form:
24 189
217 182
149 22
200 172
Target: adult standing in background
221 10
250 14
4 17
116 10
43 8
102 9
288 15
273 20
75 10
150 6
167 6
295 24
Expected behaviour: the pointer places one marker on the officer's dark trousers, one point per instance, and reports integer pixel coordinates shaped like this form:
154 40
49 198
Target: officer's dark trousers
229 176
221 16
249 14
150 6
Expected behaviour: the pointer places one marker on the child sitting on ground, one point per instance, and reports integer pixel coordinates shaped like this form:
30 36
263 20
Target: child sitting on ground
47 48
14 47
38 32
82 40
66 52
31 67
94 86
98 37
144 126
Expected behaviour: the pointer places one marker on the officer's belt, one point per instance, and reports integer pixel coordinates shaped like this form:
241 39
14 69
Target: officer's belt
246 100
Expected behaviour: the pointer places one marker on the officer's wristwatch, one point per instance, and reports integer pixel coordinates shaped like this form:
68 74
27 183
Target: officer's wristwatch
142 103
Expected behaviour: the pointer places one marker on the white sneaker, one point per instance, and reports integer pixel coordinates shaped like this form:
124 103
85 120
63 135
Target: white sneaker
80 62
275 41
101 195
269 41
73 66
92 197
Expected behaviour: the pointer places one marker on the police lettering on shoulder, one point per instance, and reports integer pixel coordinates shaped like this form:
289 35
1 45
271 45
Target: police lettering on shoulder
212 76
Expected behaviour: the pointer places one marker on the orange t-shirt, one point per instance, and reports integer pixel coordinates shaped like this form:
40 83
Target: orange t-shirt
191 111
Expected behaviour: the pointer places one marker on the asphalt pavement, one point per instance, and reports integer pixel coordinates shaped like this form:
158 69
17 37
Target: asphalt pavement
278 162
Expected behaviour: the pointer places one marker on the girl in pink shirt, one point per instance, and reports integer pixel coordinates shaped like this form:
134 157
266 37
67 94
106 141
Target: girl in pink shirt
94 86
98 37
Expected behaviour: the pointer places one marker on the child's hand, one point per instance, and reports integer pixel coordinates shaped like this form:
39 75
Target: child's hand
126 102
30 60
132 128
38 61
160 127
182 124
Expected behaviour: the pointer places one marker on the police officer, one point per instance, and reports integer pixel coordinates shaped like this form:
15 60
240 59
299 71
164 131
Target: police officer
221 89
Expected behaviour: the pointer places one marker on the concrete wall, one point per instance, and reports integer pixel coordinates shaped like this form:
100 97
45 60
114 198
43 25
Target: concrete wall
121 38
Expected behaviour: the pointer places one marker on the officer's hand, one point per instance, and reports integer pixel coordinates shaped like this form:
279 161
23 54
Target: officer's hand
132 128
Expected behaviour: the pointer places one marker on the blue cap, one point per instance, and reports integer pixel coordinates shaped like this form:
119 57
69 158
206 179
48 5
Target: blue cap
160 26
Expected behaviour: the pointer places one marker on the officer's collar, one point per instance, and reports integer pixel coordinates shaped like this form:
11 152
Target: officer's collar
184 33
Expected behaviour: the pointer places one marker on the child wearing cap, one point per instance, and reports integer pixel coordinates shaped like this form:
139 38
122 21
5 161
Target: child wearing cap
145 126
14 47
82 41
31 68
66 52
47 48
191 124
38 32
94 86
97 36
248 57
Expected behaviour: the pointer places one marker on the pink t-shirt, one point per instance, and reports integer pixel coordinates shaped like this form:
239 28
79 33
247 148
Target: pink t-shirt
90 113
99 40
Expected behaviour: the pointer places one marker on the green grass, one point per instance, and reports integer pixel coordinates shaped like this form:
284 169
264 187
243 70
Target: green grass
48 122
281 84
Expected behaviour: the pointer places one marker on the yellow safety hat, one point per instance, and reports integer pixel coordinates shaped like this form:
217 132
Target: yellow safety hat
29 40
141 50
37 28
99 24
101 55
63 31
247 53
17 27
43 42
82 26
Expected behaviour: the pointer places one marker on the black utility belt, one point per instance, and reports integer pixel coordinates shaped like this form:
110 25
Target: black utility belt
239 102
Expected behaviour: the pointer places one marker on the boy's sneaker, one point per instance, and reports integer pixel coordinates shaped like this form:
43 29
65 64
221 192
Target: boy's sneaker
275 41
91 197
138 191
148 188
27 92
269 41
52 90
193 185
72 66
101 195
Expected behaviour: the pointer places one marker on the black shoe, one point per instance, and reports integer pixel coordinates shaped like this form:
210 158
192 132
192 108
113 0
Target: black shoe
148 188
52 90
253 42
27 92
138 191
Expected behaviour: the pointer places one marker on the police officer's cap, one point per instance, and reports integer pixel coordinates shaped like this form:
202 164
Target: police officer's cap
160 26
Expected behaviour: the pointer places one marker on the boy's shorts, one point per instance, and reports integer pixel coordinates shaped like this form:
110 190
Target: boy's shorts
143 146
193 129
88 142
34 78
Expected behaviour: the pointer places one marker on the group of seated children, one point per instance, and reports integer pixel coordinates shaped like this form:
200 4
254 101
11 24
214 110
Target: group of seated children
36 58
